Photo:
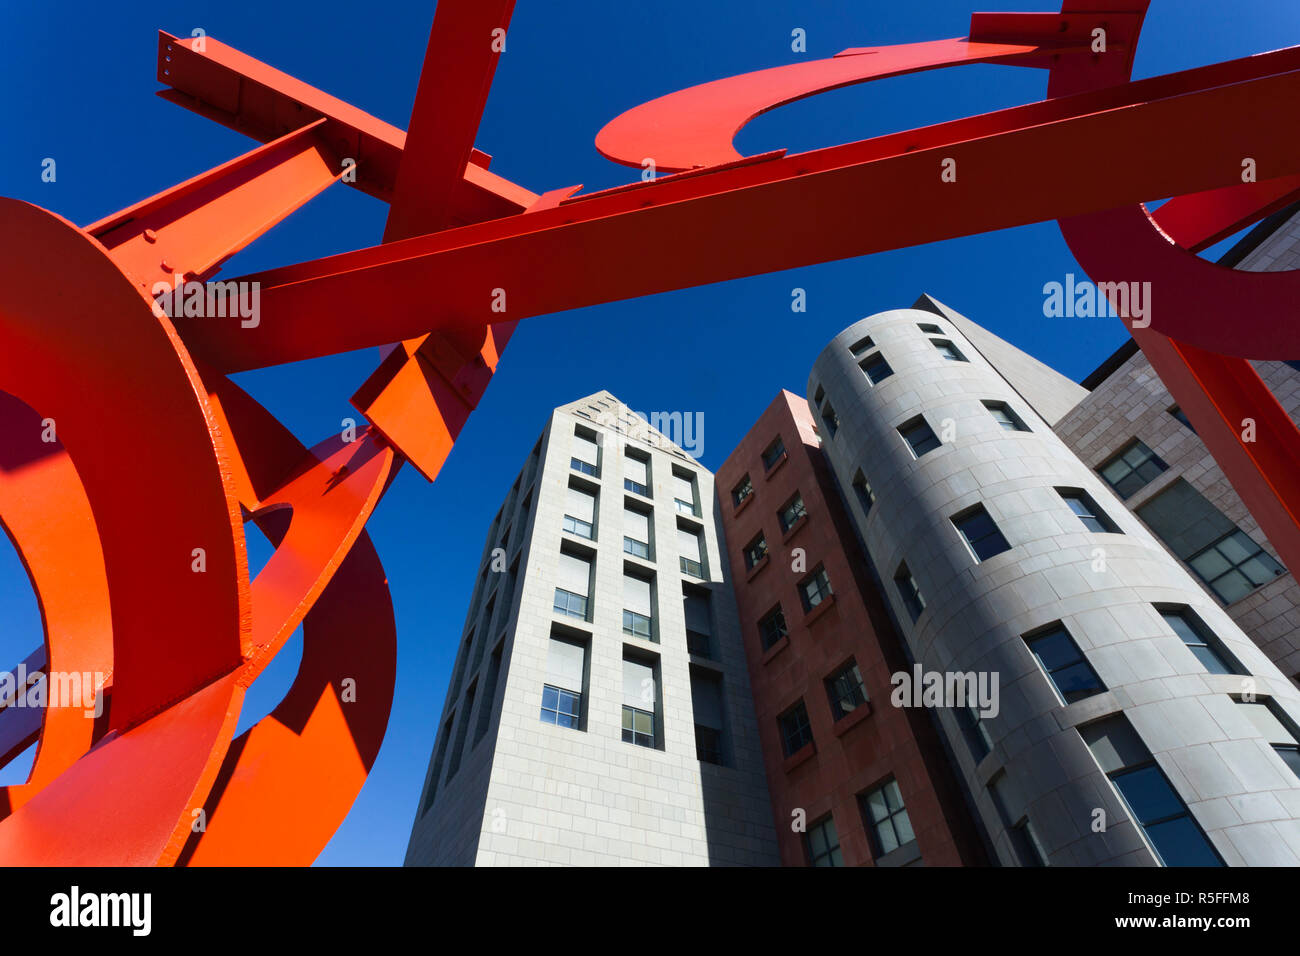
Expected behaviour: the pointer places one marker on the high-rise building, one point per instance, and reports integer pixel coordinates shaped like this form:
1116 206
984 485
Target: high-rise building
599 710
854 780
1135 722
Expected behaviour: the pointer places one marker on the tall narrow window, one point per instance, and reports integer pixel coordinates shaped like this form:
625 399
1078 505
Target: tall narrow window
638 613
636 533
688 546
973 729
875 368
796 731
1004 415
1132 469
815 588
823 844
1087 511
919 436
845 690
742 491
566 666
1152 801
489 694
636 475
699 623
831 419
640 703
948 350
462 730
771 627
684 494
1204 645
706 704
755 551
981 533
866 497
1064 664
890 828
909 592
1024 842
791 512
580 512
573 587
586 453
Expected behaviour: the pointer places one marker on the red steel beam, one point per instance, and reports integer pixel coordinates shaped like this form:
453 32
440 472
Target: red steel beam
768 216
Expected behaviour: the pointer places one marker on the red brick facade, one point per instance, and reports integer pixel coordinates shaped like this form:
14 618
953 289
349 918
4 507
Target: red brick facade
867 746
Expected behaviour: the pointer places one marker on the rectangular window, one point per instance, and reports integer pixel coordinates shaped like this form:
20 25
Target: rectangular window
742 491
889 826
638 613
462 730
1203 644
791 512
866 497
755 551
684 494
1181 415
1132 469
831 419
929 328
845 690
566 666
823 844
586 453
706 704
1024 843
636 475
1154 804
973 729
909 592
771 627
1234 566
688 547
1087 511
580 512
948 350
919 436
814 589
636 533
1004 415
862 347
1064 664
981 533
875 368
573 587
796 732
773 454
699 623
489 694
640 703
1267 719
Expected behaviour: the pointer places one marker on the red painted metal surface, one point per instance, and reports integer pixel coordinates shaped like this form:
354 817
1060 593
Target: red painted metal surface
133 536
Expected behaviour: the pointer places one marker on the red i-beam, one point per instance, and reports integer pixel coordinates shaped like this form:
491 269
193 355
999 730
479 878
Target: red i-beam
142 573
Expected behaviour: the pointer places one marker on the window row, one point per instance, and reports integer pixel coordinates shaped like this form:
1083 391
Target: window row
585 460
886 823
814 588
566 693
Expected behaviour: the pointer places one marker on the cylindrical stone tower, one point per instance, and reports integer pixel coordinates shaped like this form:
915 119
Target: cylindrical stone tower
1133 722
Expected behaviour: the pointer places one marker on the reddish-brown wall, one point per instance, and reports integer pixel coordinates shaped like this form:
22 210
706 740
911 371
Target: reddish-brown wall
865 751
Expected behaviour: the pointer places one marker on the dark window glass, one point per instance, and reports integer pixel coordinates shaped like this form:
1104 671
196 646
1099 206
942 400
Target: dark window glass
1181 415
1005 417
823 844
560 707
1234 566
1159 810
890 826
638 625
638 727
876 369
845 690
1200 642
1132 469
755 551
948 350
815 589
574 605
981 534
910 593
792 512
919 436
742 491
585 467
861 347
796 732
773 454
1065 665
771 628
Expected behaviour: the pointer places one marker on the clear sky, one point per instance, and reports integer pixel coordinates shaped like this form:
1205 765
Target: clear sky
79 78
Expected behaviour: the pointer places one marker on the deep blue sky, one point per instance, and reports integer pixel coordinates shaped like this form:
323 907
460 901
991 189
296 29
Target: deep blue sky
80 80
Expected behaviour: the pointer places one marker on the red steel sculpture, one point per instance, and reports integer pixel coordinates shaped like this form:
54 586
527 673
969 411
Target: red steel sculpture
135 545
